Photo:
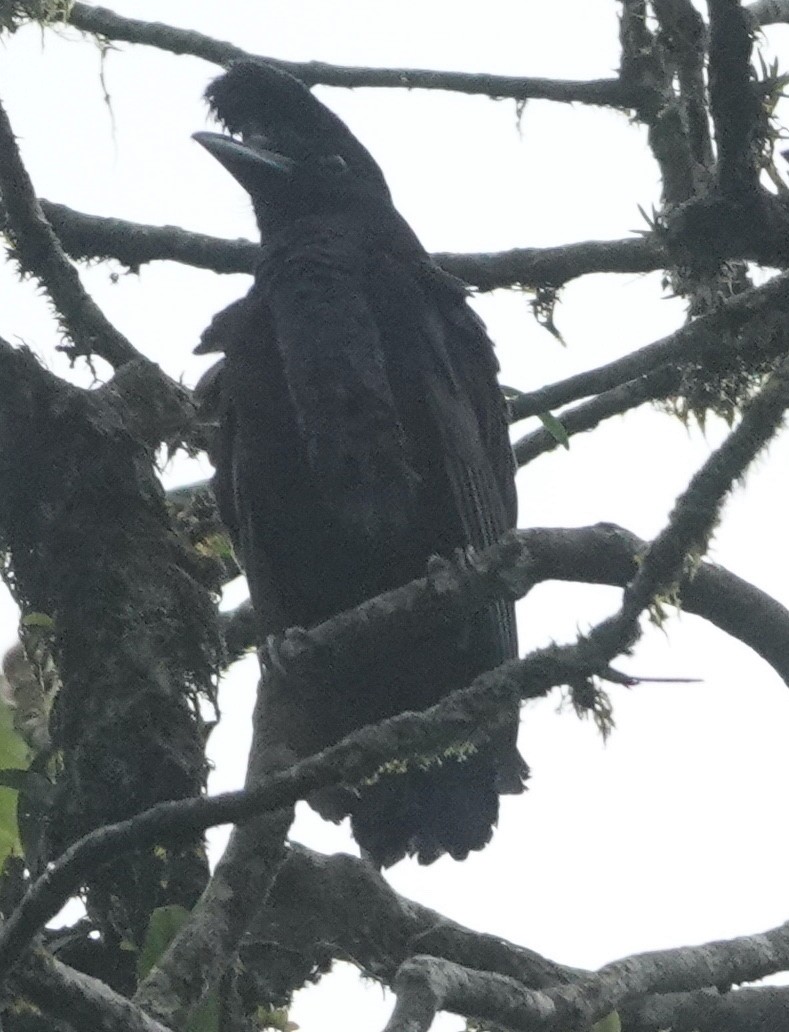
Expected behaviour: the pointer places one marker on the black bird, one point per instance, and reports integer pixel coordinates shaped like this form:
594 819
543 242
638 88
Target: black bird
361 431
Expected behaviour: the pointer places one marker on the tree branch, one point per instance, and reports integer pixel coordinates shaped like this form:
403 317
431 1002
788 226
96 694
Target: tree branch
134 244
105 23
426 985
134 628
462 716
685 537
201 952
600 554
38 252
300 930
768 12
663 382
734 105
761 1009
683 38
554 266
712 332
76 998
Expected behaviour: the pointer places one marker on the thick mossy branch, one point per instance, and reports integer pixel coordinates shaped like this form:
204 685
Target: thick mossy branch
686 536
83 519
305 925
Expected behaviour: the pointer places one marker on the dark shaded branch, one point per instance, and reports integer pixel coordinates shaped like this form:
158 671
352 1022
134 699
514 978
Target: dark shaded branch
240 630
76 998
683 37
685 537
664 109
426 985
714 332
607 554
554 266
762 1009
600 554
105 23
38 252
768 12
734 104
635 41
300 930
102 22
133 244
615 402
201 952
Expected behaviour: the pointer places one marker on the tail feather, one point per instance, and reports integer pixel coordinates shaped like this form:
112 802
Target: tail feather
448 808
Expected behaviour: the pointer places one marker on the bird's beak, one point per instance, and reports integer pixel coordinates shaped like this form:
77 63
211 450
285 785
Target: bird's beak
245 163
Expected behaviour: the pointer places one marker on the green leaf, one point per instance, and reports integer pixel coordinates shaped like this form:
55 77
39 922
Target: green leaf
555 428
216 545
276 1018
164 925
610 1023
206 1017
38 620
14 757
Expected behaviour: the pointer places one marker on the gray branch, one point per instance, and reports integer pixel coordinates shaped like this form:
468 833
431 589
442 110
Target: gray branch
426 985
713 332
761 1009
38 252
663 382
200 954
734 105
78 999
300 929
134 244
768 12
600 554
106 24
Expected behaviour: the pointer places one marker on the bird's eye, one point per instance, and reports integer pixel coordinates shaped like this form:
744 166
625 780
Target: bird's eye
333 163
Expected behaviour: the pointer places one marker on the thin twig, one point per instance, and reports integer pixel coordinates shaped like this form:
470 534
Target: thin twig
108 25
587 416
712 331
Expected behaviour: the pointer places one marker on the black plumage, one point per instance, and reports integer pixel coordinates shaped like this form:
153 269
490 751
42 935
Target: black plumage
361 430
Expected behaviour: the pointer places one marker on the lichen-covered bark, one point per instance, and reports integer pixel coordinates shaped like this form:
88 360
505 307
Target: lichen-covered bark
90 544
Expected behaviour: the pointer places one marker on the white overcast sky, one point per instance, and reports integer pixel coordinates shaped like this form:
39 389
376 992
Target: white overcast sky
675 831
